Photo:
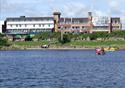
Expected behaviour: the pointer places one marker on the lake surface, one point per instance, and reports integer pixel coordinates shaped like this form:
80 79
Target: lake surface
62 69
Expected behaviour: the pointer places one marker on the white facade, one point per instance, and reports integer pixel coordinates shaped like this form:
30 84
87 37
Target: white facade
1 23
31 25
101 21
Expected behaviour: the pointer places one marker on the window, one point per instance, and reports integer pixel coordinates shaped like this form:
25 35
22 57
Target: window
16 25
49 25
39 25
11 25
33 25
43 25
19 25
115 21
25 25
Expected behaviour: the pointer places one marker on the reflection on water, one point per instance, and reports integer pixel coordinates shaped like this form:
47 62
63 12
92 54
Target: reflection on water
62 69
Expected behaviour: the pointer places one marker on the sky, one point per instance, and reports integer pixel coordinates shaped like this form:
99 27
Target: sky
68 8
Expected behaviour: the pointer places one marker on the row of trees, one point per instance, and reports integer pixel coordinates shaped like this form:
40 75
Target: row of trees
3 41
67 37
47 35
104 35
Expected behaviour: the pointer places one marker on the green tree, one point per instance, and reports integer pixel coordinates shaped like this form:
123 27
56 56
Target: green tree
3 42
66 39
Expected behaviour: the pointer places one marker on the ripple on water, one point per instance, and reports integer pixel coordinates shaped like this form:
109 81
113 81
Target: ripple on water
61 69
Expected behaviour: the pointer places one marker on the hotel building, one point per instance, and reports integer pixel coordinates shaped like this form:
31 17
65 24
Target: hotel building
32 25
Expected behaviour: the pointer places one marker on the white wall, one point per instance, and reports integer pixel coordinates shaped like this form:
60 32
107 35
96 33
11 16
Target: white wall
1 23
30 25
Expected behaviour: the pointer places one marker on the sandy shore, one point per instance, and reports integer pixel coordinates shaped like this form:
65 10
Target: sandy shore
53 48
60 48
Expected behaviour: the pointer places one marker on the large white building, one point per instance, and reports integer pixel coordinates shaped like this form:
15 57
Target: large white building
33 25
28 25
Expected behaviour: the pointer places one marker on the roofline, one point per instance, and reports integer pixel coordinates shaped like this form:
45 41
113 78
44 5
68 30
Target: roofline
27 17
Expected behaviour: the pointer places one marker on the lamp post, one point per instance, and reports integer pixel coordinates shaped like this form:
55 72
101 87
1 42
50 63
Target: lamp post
61 33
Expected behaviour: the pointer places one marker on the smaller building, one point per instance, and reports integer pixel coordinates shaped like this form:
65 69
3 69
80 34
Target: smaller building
116 23
74 24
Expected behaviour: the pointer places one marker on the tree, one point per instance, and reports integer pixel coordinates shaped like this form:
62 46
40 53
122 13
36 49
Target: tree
3 42
66 39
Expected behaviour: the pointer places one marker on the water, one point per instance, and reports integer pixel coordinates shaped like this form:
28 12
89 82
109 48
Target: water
62 69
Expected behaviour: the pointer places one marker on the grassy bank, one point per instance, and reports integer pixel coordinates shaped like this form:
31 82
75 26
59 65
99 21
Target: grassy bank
120 44
97 43
30 43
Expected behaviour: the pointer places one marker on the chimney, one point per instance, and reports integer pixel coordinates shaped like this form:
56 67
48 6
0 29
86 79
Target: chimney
22 16
90 14
90 21
110 25
56 16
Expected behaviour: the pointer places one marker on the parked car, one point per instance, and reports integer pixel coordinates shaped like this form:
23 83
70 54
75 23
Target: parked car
45 46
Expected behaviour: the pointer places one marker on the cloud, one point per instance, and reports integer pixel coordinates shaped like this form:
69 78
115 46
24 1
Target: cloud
74 9
24 7
100 13
118 8
68 8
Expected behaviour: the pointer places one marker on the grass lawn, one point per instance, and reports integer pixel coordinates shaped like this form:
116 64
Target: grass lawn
30 43
120 44
97 43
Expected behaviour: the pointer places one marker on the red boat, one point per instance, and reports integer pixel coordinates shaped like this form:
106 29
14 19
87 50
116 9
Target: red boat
100 51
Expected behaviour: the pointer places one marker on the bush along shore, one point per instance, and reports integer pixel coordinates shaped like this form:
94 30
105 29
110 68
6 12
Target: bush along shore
67 41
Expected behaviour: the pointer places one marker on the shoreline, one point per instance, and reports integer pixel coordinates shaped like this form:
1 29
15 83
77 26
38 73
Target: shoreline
27 49
64 49
47 49
60 49
56 48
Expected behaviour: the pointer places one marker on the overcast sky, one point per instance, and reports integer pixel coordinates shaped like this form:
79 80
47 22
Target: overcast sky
68 8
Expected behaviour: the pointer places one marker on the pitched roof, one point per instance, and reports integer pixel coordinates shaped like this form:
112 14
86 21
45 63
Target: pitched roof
23 18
